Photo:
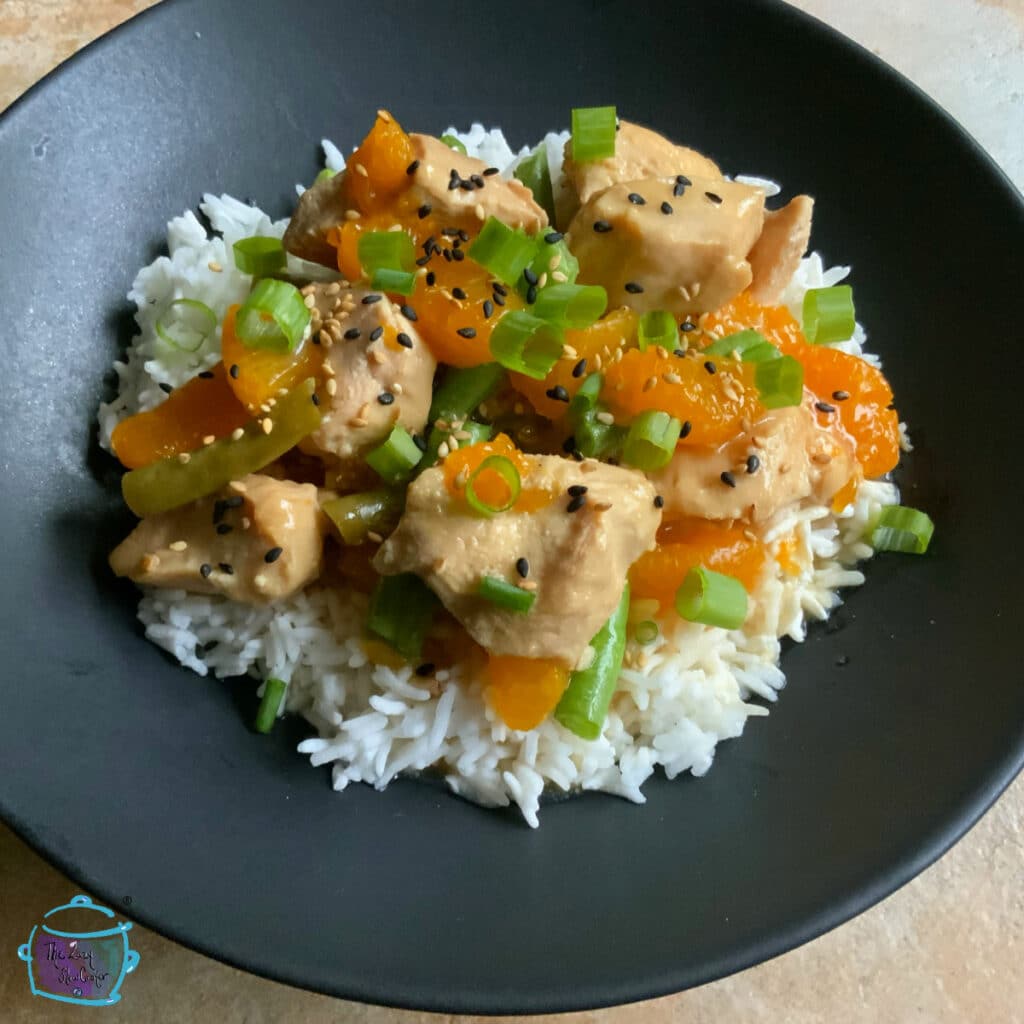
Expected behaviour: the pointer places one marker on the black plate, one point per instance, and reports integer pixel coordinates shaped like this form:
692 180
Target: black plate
145 783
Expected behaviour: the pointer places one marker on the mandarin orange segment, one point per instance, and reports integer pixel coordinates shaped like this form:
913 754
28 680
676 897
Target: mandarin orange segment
524 691
597 344
375 172
684 544
262 373
714 404
204 407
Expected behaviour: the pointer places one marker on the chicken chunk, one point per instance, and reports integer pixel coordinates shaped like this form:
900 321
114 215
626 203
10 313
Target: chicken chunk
507 199
321 207
777 253
785 457
378 381
639 153
577 560
258 540
652 249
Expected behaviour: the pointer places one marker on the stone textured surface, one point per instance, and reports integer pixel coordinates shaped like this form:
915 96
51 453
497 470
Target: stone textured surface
947 948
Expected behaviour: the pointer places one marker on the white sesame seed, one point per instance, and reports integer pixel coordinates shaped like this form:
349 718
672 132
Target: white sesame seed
360 169
605 417
374 536
352 215
331 387
443 450
184 458
178 545
480 212
309 301
209 439
267 425
237 434
557 275
215 267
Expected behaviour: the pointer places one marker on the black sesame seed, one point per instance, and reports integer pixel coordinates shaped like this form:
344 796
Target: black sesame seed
477 180
576 503
420 441
424 211
422 261
714 198
352 333
569 445
413 167
499 288
206 375
682 179
458 293
602 227
429 243
205 569
659 501
709 366
728 479
686 326
386 398
273 555
488 308
223 528
666 207
686 428
453 182
450 232
463 235
531 277
840 396
499 300
458 255
426 669
409 313
466 332
522 567
376 333
233 371
369 300
315 399
404 340
218 511
824 407
580 368
634 288
235 501
447 254
431 279
636 199
753 463
466 185
679 352
557 394
166 388
227 568
553 237
488 171
678 189
531 295
578 456
576 490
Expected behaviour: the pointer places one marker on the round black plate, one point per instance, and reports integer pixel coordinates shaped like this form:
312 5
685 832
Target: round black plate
146 784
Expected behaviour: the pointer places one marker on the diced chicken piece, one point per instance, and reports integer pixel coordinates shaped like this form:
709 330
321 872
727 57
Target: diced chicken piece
258 540
377 381
777 253
639 153
321 207
791 457
507 199
577 560
683 253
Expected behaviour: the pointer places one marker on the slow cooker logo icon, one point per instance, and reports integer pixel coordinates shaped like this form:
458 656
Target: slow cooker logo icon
79 965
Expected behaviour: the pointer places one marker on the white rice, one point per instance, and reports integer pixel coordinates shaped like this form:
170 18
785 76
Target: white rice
677 698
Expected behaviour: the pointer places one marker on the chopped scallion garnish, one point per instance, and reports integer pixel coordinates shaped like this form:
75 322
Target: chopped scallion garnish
900 528
526 344
396 458
273 317
780 382
571 305
657 327
828 314
453 143
740 342
593 133
651 440
502 250
505 595
398 282
325 175
185 324
401 610
392 249
259 255
712 599
533 172
507 474
646 632
270 704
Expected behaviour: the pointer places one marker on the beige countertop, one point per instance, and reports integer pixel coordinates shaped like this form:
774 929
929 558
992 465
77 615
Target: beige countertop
948 947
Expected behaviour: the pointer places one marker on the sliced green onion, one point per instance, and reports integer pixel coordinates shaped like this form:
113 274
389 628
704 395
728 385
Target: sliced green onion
534 173
593 133
505 595
357 515
270 704
526 344
462 390
504 468
259 255
477 432
657 328
401 282
741 342
780 382
712 598
401 610
502 250
651 440
546 253
273 317
761 353
828 314
396 458
584 705
453 143
571 305
325 175
594 439
391 249
900 528
185 324
587 395
646 632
